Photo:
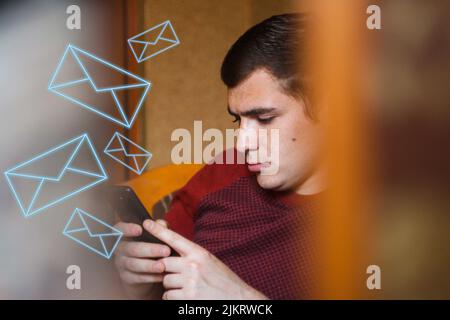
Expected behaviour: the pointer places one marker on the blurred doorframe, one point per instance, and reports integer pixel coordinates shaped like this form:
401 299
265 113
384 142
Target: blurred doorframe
133 17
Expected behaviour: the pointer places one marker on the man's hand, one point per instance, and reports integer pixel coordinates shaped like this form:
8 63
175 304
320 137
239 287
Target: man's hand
136 262
197 274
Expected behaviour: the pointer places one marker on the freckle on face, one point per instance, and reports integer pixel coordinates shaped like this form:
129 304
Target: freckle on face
294 139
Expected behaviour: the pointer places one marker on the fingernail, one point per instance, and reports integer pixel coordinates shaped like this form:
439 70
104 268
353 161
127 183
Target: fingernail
160 267
149 223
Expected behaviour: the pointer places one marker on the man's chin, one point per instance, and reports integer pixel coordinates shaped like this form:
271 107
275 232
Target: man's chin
269 182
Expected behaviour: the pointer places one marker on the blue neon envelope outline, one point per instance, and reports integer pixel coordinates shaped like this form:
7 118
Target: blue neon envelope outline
68 232
84 138
127 123
144 153
174 42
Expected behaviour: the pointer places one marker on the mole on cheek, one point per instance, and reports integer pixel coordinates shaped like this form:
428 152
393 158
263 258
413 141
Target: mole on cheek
294 139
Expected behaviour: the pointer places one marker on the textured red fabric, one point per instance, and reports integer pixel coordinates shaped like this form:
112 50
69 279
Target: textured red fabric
265 237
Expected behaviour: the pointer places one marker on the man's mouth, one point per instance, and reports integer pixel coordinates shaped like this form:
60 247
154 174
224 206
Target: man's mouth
257 167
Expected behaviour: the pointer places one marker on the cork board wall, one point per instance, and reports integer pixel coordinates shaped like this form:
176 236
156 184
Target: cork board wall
186 79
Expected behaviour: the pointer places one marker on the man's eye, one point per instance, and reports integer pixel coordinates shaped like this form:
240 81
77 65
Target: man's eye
265 120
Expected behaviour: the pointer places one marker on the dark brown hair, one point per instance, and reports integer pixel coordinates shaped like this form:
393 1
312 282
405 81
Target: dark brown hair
275 44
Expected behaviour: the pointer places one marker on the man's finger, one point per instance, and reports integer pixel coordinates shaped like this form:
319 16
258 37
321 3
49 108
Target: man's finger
162 222
129 229
143 250
171 238
173 281
140 265
177 294
174 264
138 278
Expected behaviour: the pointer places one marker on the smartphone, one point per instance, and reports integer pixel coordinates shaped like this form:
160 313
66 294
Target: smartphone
124 202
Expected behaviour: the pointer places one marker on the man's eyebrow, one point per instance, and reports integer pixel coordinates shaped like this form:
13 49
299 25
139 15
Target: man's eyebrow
252 112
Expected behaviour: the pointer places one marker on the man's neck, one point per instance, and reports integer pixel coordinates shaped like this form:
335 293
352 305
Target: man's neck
314 184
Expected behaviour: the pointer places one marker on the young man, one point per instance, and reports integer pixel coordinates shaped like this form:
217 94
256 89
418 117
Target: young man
240 233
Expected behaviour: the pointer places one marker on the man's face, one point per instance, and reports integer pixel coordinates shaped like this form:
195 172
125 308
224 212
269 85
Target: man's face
260 103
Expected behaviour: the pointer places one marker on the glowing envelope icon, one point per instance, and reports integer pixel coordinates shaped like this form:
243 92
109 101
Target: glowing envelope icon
55 175
153 41
98 86
119 147
92 233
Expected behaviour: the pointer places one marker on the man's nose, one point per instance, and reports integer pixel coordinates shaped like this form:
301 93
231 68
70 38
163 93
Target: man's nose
247 140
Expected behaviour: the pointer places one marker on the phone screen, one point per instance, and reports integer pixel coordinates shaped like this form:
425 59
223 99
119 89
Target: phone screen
124 202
